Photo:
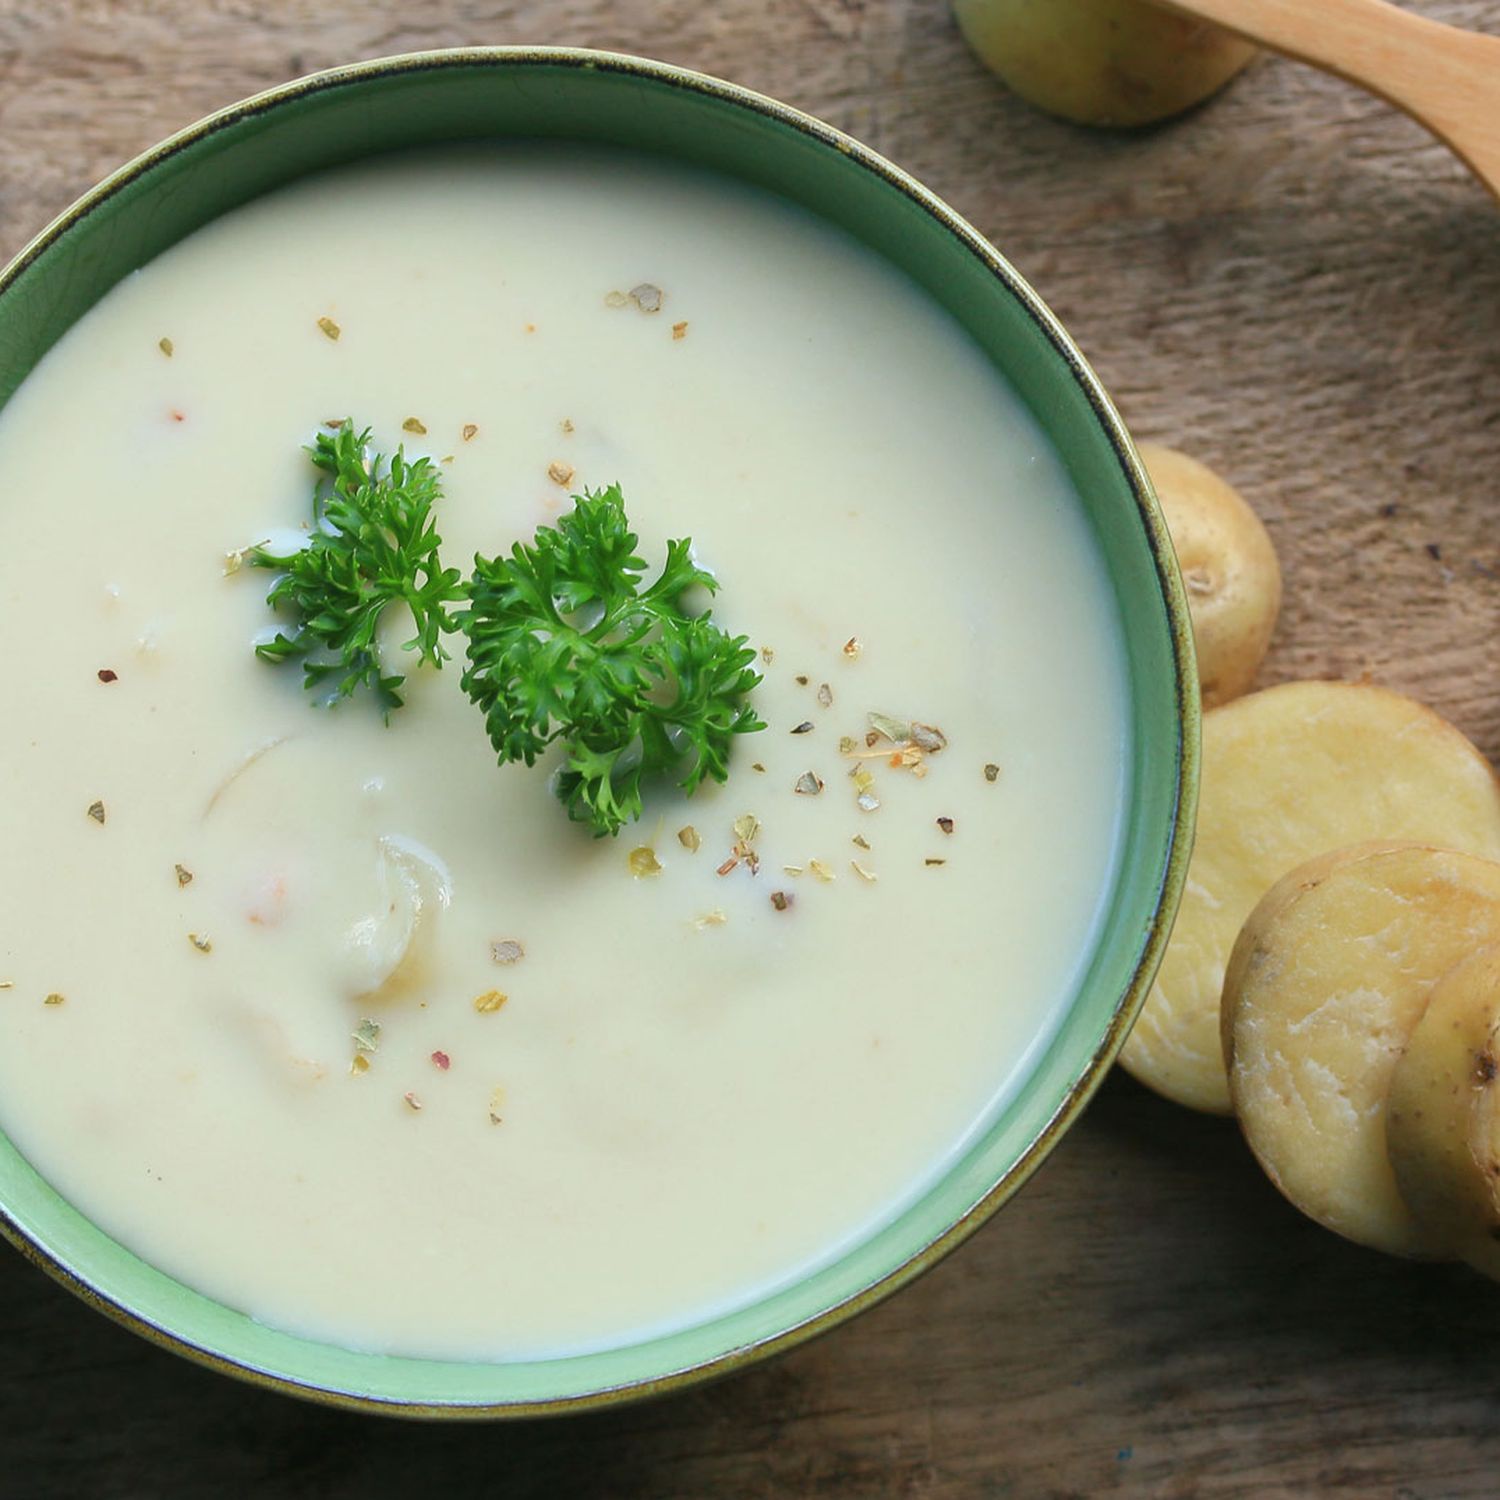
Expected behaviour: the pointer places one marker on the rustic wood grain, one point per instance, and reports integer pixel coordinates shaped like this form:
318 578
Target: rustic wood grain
1298 286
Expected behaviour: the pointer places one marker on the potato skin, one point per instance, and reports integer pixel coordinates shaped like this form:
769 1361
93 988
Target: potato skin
1442 1122
1288 773
1229 570
1101 62
1327 983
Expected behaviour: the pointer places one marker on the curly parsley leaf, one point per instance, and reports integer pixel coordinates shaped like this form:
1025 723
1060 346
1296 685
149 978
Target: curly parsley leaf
371 545
565 644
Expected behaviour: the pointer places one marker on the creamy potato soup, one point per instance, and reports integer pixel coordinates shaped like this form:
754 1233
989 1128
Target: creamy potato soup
347 1026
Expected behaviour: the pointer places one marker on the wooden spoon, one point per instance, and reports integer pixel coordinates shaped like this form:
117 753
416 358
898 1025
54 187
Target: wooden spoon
1444 78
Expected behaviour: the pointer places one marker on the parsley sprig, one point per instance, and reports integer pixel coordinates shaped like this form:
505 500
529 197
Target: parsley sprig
565 644
372 543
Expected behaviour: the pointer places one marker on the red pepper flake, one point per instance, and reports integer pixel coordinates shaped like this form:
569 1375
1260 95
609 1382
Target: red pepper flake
412 1102
442 1060
108 674
679 330
178 415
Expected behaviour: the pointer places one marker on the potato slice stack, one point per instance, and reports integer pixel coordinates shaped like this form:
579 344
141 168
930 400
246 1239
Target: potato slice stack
1334 975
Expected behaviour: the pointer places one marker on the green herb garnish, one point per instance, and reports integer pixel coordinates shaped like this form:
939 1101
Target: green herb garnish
372 544
565 644
563 641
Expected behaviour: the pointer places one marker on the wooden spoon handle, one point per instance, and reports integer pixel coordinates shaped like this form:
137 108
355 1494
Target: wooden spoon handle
1446 78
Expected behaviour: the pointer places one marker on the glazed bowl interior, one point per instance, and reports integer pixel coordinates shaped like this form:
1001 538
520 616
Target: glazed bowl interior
557 94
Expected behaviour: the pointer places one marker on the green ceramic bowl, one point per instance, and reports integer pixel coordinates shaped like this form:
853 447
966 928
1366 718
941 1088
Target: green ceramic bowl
353 112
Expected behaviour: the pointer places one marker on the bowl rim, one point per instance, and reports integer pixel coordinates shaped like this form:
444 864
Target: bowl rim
1188 749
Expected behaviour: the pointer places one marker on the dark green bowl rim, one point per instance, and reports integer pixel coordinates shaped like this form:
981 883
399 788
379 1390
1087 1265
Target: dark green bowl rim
1188 747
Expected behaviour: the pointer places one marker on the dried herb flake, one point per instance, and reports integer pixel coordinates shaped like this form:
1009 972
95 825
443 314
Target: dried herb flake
366 1036
897 731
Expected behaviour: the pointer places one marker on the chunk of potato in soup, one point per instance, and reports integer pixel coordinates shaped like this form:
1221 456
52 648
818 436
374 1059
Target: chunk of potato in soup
356 1032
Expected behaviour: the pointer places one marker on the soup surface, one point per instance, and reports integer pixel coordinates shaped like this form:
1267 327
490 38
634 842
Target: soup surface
247 941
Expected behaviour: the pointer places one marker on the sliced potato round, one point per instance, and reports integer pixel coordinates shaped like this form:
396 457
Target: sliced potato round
1229 569
1442 1121
1287 774
1325 986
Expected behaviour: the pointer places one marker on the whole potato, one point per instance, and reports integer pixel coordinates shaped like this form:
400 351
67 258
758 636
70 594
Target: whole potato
1101 62
1229 569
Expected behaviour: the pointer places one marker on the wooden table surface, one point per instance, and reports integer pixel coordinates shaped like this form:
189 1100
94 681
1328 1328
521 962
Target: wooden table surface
1300 288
